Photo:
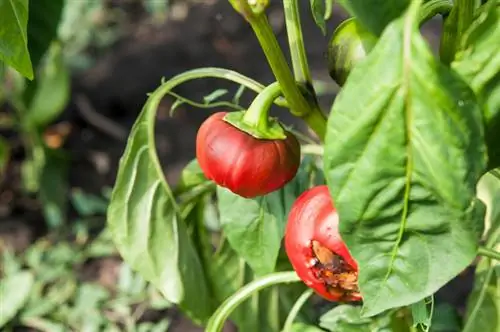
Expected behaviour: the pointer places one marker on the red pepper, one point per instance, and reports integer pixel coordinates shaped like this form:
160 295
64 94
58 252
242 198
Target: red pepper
246 165
316 250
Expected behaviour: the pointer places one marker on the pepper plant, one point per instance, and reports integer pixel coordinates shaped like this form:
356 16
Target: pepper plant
377 217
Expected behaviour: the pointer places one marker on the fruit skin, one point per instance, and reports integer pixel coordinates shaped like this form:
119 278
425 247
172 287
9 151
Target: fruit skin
314 218
245 165
349 44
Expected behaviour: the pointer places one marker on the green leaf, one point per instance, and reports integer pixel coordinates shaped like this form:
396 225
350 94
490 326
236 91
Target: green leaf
422 317
4 156
44 17
347 318
318 8
14 292
52 300
479 64
255 227
191 177
51 90
375 15
301 327
13 36
87 204
483 307
445 319
227 272
402 160
145 224
53 192
264 311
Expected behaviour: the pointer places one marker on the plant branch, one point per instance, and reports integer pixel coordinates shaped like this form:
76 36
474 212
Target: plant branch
487 252
217 320
296 309
482 293
299 106
465 10
431 8
296 42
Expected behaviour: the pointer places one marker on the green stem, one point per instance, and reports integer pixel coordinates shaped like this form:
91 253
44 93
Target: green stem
296 42
216 322
465 9
434 7
279 66
487 252
454 27
257 114
296 309
298 104
477 306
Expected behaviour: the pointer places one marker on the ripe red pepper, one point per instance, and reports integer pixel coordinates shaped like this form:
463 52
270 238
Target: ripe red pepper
316 250
246 165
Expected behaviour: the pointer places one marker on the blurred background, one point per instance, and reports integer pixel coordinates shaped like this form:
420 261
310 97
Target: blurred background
61 138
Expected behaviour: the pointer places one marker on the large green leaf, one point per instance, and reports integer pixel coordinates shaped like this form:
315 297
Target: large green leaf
479 64
13 36
255 227
145 224
404 151
375 15
14 292
44 17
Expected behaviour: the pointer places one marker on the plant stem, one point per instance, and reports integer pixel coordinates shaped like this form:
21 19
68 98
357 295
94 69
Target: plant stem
298 104
296 42
257 113
432 8
482 293
216 322
296 309
454 27
465 9
487 252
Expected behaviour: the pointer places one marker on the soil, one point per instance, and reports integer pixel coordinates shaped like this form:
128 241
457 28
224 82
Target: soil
107 98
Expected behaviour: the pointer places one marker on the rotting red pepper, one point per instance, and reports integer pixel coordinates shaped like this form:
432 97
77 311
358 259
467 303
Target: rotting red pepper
317 252
246 165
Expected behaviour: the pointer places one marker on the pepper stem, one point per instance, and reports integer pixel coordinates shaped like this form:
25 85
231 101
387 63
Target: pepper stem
257 115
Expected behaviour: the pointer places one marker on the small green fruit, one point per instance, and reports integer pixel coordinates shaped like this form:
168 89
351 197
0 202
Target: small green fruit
350 44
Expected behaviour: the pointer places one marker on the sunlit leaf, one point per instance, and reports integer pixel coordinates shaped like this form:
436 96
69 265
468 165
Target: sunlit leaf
255 227
14 292
402 160
144 221
13 36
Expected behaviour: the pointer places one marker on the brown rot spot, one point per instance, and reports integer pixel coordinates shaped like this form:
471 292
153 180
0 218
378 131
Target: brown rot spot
340 278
